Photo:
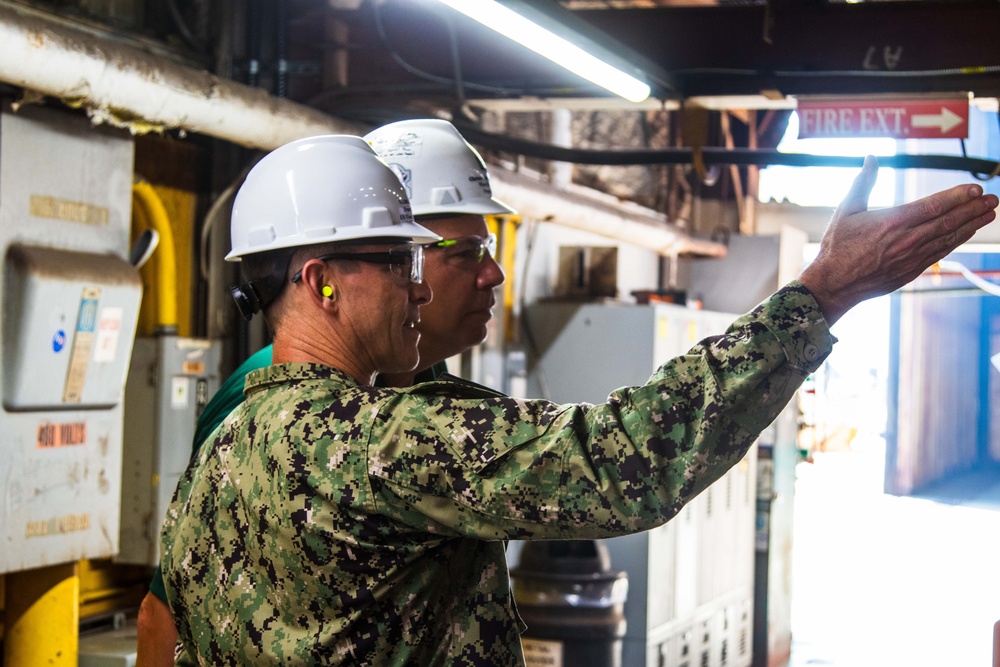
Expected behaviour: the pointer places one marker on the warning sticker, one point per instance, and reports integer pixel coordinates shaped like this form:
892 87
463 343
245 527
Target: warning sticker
109 328
69 523
193 368
83 342
180 390
61 435
539 653
42 206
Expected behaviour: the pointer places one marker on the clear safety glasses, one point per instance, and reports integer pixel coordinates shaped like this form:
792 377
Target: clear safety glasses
405 261
471 249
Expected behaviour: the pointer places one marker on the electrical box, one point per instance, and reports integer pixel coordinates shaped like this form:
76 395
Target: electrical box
64 321
691 581
70 303
170 381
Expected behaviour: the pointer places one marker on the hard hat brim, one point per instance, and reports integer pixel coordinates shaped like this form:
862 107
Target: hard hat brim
483 206
406 231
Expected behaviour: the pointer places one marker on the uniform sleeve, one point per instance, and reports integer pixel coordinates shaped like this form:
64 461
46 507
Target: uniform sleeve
500 468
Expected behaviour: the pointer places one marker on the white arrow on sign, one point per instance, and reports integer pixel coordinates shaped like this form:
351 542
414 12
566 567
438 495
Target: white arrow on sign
945 120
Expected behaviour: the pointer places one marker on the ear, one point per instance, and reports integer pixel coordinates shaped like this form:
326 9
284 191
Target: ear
318 281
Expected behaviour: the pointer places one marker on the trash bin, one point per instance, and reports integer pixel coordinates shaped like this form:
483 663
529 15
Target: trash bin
572 603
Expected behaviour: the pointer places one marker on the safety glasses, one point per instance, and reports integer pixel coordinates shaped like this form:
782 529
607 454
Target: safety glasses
405 261
472 249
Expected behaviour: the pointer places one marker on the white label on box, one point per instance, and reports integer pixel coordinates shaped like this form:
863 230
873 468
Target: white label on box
542 653
83 341
179 392
109 327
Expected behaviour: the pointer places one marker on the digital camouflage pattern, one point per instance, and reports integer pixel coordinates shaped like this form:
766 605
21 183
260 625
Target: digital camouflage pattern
331 523
228 397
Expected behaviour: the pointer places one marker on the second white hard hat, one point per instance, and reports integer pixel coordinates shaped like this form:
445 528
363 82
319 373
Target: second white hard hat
322 189
441 171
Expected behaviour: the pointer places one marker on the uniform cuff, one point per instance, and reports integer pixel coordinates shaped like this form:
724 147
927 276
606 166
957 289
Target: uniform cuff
794 317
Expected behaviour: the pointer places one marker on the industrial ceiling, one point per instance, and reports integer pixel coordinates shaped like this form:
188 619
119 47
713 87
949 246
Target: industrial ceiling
724 74
375 60
354 57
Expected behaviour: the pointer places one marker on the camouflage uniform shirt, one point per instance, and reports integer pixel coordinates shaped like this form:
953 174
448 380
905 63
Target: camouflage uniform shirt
332 523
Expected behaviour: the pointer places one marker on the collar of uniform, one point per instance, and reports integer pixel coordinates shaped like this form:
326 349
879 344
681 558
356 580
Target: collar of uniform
435 372
266 377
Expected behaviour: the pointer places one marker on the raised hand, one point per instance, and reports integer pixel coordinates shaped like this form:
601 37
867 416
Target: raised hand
869 253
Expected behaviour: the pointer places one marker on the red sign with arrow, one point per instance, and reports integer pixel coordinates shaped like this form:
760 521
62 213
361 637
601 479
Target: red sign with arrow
922 118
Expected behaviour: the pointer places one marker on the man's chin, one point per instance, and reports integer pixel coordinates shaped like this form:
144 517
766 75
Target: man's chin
402 364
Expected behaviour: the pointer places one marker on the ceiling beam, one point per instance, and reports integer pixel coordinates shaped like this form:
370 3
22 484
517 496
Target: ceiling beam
800 48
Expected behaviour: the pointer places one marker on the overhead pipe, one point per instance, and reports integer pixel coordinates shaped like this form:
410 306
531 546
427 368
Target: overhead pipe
128 87
716 155
630 223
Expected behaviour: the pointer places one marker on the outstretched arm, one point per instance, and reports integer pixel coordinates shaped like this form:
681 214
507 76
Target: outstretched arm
869 253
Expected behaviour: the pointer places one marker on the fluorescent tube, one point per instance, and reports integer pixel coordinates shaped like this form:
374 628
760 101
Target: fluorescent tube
546 43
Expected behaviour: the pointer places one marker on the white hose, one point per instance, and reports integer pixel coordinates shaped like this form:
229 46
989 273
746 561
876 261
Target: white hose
988 287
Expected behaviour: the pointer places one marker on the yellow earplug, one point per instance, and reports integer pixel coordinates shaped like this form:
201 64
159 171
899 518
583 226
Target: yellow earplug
327 291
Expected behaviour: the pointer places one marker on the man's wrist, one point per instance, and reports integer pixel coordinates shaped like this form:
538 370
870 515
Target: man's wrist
832 302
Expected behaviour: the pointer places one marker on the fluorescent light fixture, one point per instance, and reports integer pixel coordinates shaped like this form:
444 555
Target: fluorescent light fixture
546 43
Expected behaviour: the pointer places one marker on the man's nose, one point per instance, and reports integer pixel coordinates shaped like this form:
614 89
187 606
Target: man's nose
490 274
420 293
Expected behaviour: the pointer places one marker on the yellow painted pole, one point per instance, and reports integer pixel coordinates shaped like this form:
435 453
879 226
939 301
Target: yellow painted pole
507 226
43 617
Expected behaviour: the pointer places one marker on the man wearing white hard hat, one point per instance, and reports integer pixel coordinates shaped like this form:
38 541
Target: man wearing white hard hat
449 190
328 521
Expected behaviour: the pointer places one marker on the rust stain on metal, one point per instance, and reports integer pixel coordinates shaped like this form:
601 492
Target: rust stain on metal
103 485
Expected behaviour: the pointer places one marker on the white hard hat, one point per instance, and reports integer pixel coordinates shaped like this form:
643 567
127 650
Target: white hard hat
441 171
321 189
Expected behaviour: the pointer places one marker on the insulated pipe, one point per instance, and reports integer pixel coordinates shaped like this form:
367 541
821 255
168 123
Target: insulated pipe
632 224
129 87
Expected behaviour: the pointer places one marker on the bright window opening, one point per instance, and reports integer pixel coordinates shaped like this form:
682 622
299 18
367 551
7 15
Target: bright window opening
825 186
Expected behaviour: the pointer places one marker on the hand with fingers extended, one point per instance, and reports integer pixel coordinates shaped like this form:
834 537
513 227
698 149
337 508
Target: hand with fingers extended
869 253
